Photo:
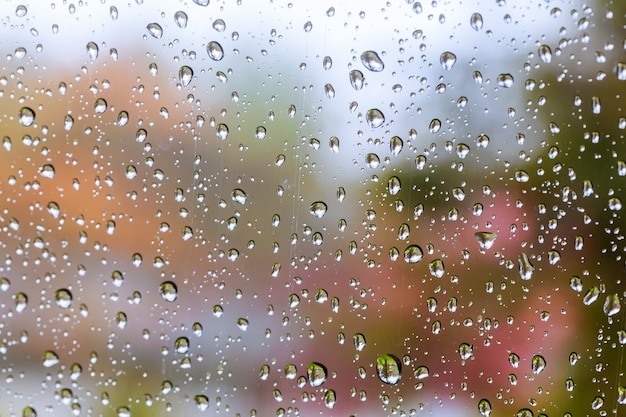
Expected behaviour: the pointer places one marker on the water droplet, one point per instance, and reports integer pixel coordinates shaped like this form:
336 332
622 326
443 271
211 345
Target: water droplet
466 351
505 80
218 311
264 372
215 51
389 369
21 10
316 373
357 79
181 345
359 341
476 21
421 372
26 116
222 131
123 411
330 398
260 132
372 61
485 239
545 53
394 185
538 364
329 91
122 118
596 107
521 176
47 171
169 291
526 269
413 254
92 50
185 74
54 209
121 320
612 305
308 26
375 118
118 278
318 209
372 160
187 233
484 407
100 105
436 268
63 298
50 358
447 60
615 204
137 260
21 302
155 30
242 324
434 126
113 12
180 18
202 402
239 196
219 25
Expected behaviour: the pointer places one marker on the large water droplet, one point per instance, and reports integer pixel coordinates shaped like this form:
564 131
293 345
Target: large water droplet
330 398
389 369
317 374
538 364
92 50
239 196
26 116
318 209
505 80
526 269
50 358
545 53
372 61
63 298
169 291
357 79
359 341
466 351
155 30
485 239
185 74
394 185
47 171
447 60
484 407
202 402
180 18
612 305
215 51
476 21
413 254
375 118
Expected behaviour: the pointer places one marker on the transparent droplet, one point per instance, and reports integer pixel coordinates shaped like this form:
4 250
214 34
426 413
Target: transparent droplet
526 269
466 351
545 53
21 302
333 143
100 105
218 311
476 21
612 305
394 185
242 324
329 90
357 79
538 364
92 50
21 10
121 320
389 369
122 118
521 176
264 372
54 210
615 203
219 25
187 233
484 407
222 131
29 411
505 80
180 18
169 291
239 196
359 341
330 398
413 254
375 118
202 402
50 358
421 372
372 61
395 145
485 239
308 26
215 51
123 411
47 171
185 75
436 268
318 209
26 116
434 126
372 160
181 345
447 60
260 132
113 12
317 374
155 30
117 278
63 298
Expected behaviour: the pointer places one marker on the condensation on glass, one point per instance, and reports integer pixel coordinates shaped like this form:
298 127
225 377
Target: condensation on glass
272 208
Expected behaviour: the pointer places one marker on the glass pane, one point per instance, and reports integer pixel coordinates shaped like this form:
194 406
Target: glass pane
272 208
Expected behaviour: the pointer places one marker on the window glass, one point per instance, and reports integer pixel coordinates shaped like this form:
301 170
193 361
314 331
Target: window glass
312 208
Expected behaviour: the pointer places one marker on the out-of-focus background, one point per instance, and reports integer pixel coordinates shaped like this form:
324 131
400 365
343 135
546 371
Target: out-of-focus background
271 208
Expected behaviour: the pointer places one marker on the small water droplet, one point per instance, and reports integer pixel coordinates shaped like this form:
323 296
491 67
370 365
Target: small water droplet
264 372
612 305
538 364
545 53
521 176
485 239
92 50
372 160
476 21
21 302
155 30
169 291
357 80
260 132
330 398
484 407
434 126
372 61
242 324
215 51
526 269
318 209
185 74
359 341
50 358
219 25
505 80
122 118
202 402
239 196
375 118
21 10
317 374
389 369
180 18
466 351
394 185
413 254
447 60
63 298
26 116
47 171
100 105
